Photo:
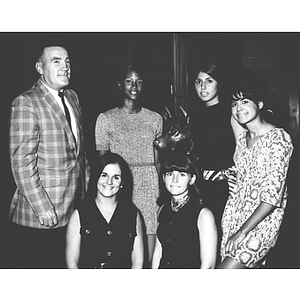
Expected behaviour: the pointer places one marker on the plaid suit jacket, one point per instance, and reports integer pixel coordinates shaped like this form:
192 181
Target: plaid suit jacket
45 160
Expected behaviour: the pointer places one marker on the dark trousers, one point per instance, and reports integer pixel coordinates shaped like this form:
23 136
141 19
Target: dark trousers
30 248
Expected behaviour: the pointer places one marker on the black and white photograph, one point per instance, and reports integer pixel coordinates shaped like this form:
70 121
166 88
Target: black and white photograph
139 148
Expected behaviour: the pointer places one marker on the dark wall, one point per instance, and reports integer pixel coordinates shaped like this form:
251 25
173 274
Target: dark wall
224 48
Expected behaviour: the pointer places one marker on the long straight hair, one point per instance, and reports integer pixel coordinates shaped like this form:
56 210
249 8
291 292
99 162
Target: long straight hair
216 70
213 69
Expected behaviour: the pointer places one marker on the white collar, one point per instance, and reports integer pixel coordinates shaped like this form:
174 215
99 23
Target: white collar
51 90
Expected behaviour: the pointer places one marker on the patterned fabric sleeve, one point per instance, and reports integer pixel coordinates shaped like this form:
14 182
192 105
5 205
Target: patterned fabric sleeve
102 133
280 149
23 145
238 149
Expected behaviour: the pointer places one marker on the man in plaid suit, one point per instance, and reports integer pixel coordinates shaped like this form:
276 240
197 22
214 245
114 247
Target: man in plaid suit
48 163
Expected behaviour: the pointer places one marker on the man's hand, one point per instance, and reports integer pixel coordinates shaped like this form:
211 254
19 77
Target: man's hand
48 219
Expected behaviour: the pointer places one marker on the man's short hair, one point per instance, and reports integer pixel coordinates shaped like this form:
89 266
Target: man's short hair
41 49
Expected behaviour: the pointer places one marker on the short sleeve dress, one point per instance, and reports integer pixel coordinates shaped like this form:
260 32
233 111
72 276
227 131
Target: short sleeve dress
262 172
132 136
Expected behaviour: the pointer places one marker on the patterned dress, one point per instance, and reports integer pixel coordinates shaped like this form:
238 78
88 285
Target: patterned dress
262 175
132 136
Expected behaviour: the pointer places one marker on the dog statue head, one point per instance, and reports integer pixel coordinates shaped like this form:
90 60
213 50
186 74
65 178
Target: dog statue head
176 137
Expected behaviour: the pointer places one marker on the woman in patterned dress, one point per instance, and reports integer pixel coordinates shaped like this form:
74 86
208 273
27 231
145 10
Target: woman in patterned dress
254 210
129 130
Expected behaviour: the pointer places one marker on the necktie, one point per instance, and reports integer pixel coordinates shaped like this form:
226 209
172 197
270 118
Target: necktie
67 113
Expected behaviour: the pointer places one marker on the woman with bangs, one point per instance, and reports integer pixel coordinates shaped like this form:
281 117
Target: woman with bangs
186 234
254 210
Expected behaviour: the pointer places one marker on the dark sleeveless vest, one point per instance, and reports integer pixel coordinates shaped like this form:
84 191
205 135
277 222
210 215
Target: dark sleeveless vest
179 236
107 245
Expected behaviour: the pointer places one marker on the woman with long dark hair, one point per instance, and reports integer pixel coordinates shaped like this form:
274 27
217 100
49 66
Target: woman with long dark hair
105 231
213 137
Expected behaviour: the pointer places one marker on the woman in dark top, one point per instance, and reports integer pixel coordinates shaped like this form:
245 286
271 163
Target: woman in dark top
213 137
186 235
105 231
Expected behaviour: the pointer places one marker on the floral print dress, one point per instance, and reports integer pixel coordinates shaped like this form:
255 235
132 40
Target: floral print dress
262 171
